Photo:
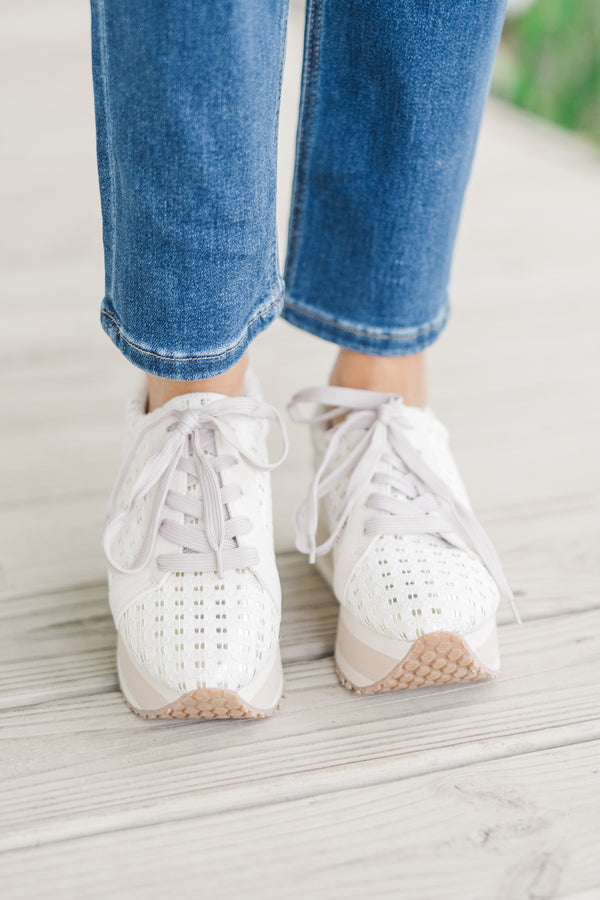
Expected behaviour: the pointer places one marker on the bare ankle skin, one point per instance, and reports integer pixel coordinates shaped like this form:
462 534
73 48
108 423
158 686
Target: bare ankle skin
404 375
230 383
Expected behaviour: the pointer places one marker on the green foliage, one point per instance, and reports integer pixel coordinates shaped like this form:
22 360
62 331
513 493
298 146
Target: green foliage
550 63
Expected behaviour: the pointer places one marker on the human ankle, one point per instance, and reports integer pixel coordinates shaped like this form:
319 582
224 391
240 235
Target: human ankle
230 383
404 375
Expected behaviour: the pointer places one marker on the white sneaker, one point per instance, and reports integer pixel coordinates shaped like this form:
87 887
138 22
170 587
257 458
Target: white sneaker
193 583
417 578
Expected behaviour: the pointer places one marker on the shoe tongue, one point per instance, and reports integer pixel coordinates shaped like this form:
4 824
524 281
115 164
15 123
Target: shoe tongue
415 415
190 401
181 402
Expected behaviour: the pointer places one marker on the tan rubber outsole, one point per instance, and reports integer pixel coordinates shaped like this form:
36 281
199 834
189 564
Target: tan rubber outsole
434 659
206 703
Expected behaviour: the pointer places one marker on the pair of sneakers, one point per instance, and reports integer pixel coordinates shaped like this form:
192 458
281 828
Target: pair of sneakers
193 582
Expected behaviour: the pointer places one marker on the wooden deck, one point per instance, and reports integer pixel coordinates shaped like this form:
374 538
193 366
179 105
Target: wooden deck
470 792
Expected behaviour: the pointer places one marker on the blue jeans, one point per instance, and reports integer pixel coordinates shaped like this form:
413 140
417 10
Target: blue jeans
187 98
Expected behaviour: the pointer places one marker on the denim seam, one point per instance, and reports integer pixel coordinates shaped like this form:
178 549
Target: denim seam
274 303
109 132
305 129
417 332
275 243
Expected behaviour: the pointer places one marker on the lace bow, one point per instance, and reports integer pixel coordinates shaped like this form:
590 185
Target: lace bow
432 506
214 546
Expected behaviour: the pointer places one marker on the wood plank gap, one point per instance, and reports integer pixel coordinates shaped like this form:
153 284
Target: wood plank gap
283 789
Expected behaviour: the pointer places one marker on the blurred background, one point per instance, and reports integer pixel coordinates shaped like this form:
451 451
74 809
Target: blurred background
549 61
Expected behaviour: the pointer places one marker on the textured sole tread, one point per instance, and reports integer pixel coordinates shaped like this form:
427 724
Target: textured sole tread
438 658
206 703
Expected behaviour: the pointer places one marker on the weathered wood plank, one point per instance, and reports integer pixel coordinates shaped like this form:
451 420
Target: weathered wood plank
324 737
64 642
508 829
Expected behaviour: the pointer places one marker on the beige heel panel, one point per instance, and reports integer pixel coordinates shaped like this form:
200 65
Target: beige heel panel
143 696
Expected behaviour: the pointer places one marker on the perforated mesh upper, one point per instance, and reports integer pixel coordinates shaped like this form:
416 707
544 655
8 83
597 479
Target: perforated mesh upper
405 586
131 535
410 585
196 629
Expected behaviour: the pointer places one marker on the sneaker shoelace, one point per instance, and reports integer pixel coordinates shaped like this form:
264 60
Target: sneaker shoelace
212 546
419 502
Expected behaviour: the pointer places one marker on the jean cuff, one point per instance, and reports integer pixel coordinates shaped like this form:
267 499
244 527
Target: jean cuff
188 366
371 341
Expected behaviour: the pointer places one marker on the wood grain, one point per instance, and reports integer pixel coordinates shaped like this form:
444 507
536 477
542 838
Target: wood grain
324 736
507 829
